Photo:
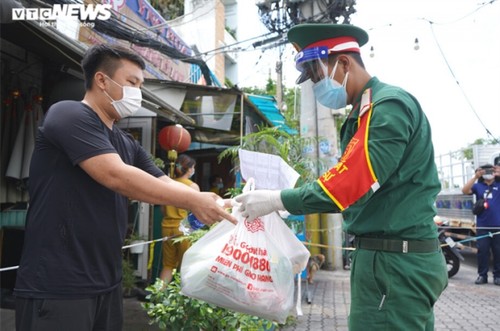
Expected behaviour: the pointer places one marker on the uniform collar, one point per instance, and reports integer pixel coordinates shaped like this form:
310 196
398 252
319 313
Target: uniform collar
355 109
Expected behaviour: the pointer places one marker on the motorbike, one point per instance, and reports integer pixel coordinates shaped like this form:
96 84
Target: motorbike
450 249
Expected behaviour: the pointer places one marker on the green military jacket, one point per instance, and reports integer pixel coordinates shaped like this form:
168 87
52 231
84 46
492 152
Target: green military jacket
390 180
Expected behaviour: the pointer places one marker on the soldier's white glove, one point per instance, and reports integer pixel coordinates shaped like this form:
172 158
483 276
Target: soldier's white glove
258 203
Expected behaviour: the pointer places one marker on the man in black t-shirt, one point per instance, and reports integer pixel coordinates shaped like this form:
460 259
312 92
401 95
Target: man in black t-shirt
83 171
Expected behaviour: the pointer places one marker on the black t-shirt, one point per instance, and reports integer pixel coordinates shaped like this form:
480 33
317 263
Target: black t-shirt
75 227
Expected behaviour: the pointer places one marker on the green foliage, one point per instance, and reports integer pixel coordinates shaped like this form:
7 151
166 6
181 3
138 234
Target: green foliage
233 191
270 87
169 9
168 308
228 82
291 98
467 153
193 236
128 277
133 237
232 32
274 141
158 162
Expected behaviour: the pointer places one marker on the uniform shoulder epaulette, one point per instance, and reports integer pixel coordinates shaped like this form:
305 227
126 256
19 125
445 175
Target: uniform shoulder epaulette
366 102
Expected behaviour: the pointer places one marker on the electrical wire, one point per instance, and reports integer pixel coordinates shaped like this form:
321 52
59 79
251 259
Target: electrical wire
116 28
173 21
236 43
481 6
254 66
488 132
466 15
124 30
121 34
432 23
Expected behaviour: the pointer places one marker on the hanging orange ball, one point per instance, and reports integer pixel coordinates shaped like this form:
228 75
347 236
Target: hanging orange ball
174 137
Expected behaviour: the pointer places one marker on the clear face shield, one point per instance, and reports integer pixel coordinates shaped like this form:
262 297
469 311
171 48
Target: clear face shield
312 63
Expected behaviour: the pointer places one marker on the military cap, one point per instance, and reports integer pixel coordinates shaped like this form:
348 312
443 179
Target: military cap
336 37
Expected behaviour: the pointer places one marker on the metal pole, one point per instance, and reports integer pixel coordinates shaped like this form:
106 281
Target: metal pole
279 83
242 118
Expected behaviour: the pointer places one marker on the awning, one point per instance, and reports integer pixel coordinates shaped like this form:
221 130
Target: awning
208 107
44 41
268 106
216 111
177 102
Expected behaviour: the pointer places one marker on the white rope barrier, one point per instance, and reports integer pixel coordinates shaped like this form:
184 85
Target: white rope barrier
124 247
305 243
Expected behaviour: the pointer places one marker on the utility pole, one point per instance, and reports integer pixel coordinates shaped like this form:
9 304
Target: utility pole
280 15
274 15
279 81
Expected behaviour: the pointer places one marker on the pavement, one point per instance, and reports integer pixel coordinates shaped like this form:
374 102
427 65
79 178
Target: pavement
462 306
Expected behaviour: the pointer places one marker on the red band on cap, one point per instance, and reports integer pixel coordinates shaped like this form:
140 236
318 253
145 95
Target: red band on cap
339 44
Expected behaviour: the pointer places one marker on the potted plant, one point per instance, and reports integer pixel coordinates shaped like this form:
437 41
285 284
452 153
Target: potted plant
169 308
128 278
277 142
136 243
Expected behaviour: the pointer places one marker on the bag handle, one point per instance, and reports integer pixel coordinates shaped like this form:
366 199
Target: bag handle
250 185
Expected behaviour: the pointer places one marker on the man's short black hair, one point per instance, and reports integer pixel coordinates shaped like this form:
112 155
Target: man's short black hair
486 166
106 58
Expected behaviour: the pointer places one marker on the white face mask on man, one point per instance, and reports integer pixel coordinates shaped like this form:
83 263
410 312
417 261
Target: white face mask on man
488 177
129 103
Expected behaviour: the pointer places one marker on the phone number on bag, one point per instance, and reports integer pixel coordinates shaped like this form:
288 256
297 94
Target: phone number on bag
256 263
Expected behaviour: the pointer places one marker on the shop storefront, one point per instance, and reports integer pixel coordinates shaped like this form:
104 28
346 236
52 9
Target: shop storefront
40 65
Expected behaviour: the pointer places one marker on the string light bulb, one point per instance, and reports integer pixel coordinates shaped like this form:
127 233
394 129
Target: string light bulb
372 53
416 46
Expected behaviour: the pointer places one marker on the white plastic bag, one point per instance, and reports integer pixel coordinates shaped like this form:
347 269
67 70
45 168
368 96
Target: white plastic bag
288 243
246 268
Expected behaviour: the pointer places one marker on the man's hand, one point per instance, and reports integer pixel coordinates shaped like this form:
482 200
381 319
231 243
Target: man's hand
259 203
208 208
479 172
497 170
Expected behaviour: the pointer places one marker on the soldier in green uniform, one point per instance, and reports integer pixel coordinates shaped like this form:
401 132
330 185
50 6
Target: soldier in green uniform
385 184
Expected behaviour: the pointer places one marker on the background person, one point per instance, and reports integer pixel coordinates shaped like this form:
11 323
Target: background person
484 185
385 184
172 252
83 172
216 184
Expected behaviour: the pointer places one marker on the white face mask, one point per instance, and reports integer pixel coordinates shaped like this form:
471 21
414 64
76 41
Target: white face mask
331 93
131 101
488 177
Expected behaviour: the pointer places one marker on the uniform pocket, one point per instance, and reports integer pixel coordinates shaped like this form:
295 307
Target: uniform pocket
369 290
